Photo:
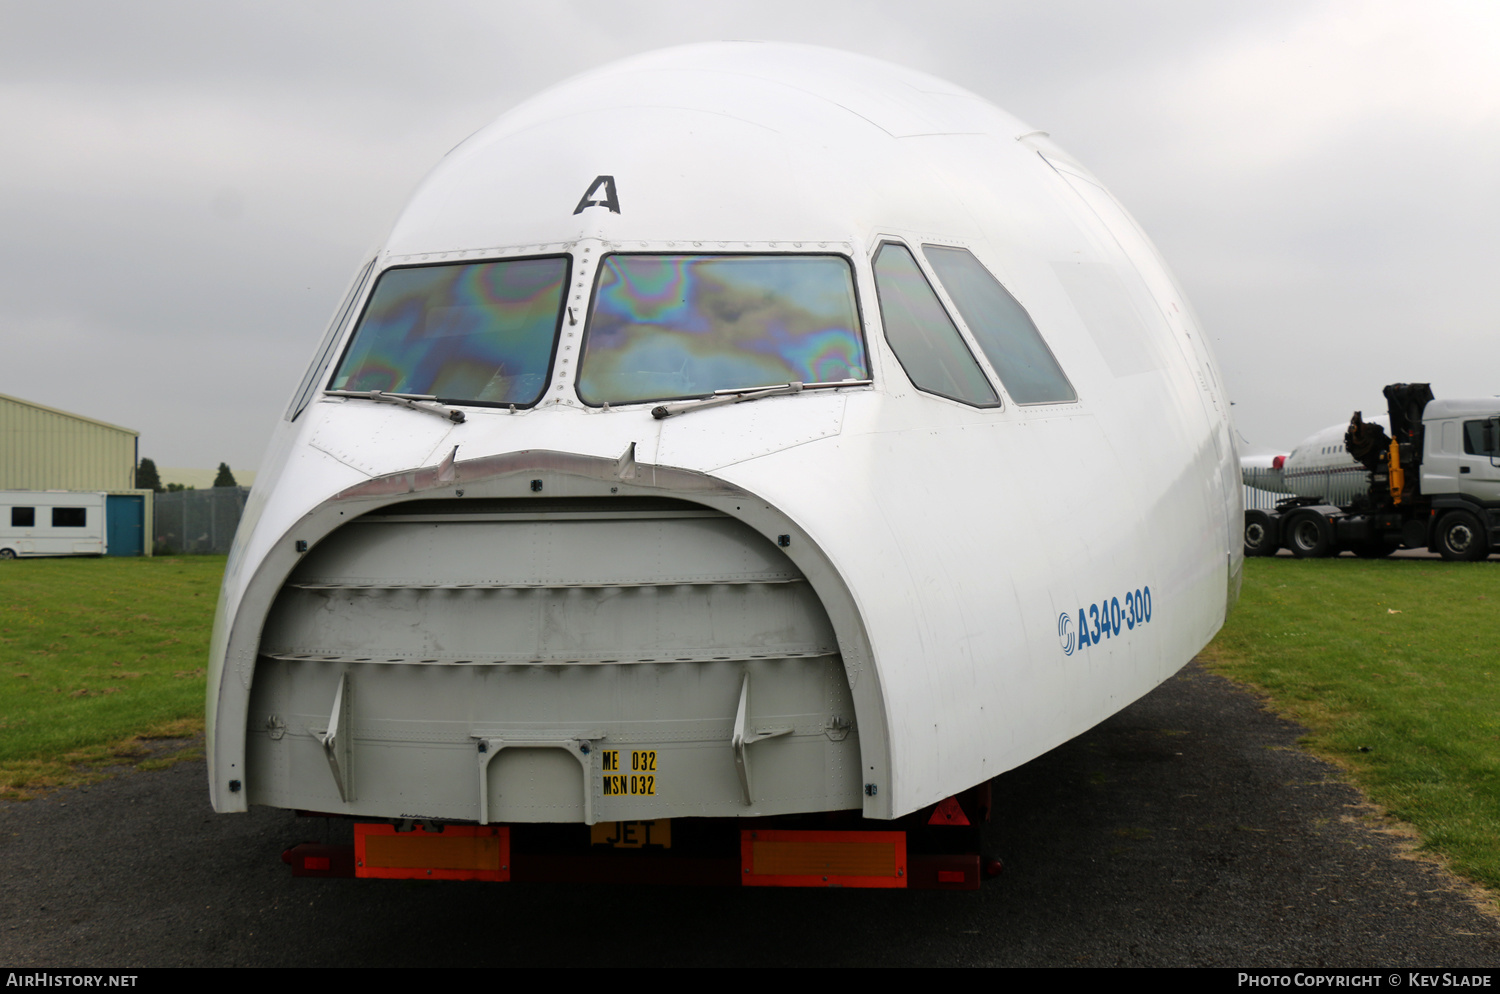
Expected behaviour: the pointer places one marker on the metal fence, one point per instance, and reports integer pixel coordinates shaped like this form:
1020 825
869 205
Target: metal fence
197 522
1262 500
203 521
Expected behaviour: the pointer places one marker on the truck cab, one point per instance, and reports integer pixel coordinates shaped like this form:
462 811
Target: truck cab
1462 450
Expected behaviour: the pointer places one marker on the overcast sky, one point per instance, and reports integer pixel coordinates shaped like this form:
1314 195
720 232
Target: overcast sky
185 189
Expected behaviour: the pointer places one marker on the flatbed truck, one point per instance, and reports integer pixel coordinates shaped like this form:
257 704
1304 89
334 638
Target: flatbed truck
1434 482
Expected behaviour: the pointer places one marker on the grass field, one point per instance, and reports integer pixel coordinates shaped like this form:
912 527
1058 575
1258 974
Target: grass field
98 658
1394 667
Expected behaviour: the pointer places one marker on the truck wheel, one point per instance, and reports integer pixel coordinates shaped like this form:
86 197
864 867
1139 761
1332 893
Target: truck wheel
7 553
1460 538
1258 532
1310 536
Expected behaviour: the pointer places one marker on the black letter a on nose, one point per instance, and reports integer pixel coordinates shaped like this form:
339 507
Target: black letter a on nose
610 200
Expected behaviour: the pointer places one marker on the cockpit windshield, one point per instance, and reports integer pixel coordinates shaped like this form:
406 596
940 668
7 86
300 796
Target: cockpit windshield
477 333
665 327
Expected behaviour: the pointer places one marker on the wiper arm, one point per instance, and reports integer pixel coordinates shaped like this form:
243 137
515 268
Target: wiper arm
739 396
416 401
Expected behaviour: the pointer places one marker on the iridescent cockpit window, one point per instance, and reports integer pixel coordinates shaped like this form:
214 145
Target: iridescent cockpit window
480 333
676 326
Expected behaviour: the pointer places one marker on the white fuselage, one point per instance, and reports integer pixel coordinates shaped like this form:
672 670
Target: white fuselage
939 590
1319 466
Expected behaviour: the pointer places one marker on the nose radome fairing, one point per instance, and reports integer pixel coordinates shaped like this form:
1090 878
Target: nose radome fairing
937 544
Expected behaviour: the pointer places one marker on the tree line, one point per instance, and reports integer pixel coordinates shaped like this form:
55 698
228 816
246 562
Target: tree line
147 478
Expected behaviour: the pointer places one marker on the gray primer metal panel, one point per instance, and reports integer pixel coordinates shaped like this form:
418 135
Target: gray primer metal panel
553 639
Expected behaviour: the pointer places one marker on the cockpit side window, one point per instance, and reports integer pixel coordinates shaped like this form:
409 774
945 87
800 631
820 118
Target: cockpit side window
325 348
475 333
925 339
1003 329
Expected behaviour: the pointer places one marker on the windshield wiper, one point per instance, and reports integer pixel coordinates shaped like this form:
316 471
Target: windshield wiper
416 401
739 396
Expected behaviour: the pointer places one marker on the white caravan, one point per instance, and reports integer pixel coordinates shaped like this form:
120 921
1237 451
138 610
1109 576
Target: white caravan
717 442
51 523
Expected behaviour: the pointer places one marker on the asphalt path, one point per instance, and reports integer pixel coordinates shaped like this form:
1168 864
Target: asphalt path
1188 830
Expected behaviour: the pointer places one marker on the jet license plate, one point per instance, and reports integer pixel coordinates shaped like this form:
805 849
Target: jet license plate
632 834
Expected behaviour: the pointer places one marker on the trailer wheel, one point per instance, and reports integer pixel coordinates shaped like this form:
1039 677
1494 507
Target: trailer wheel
1310 536
1460 538
1258 531
7 553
